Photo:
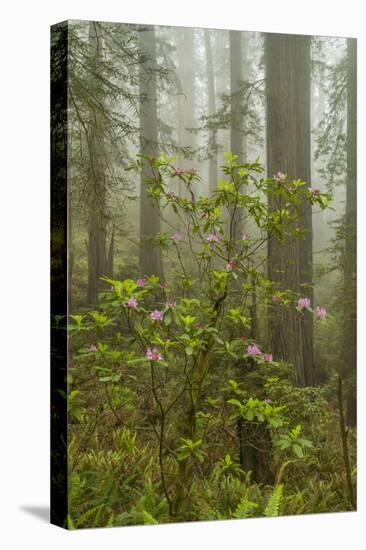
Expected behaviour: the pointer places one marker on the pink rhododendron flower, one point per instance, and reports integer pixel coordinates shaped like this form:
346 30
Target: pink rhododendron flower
157 315
245 237
93 348
141 282
230 266
303 303
279 176
212 238
321 312
269 401
153 354
192 171
170 304
177 237
275 298
267 357
132 302
179 171
172 195
253 349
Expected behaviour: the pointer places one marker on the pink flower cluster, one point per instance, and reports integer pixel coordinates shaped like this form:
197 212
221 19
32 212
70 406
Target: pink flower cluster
320 312
245 237
279 176
93 348
254 350
178 171
177 237
132 302
212 238
303 303
170 304
230 266
157 315
141 282
153 354
172 195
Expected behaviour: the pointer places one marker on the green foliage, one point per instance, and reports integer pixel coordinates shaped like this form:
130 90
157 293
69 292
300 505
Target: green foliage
258 411
294 442
274 502
245 509
190 448
162 374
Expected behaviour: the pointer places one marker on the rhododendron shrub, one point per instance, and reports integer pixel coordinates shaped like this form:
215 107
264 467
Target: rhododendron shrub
185 343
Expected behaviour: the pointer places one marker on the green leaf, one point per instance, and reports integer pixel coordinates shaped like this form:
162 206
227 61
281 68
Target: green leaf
70 524
140 360
298 450
167 318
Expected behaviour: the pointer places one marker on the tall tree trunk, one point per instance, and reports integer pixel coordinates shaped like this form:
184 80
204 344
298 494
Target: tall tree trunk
236 75
255 444
98 218
238 139
288 150
211 92
70 251
150 259
186 104
320 221
349 352
110 255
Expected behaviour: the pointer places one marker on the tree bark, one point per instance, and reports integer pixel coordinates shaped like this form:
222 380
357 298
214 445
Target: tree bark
238 138
211 93
98 218
186 99
349 352
288 150
150 258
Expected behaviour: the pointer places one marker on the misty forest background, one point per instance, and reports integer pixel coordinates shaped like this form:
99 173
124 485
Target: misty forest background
175 413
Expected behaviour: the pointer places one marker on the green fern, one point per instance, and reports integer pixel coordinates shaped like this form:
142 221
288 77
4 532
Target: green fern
245 508
149 518
274 502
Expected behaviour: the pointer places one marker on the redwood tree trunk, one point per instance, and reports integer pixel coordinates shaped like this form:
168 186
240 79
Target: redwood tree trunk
186 104
238 139
288 150
150 259
349 354
97 222
212 173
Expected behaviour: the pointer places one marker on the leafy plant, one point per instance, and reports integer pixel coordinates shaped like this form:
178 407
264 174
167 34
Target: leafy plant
294 442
